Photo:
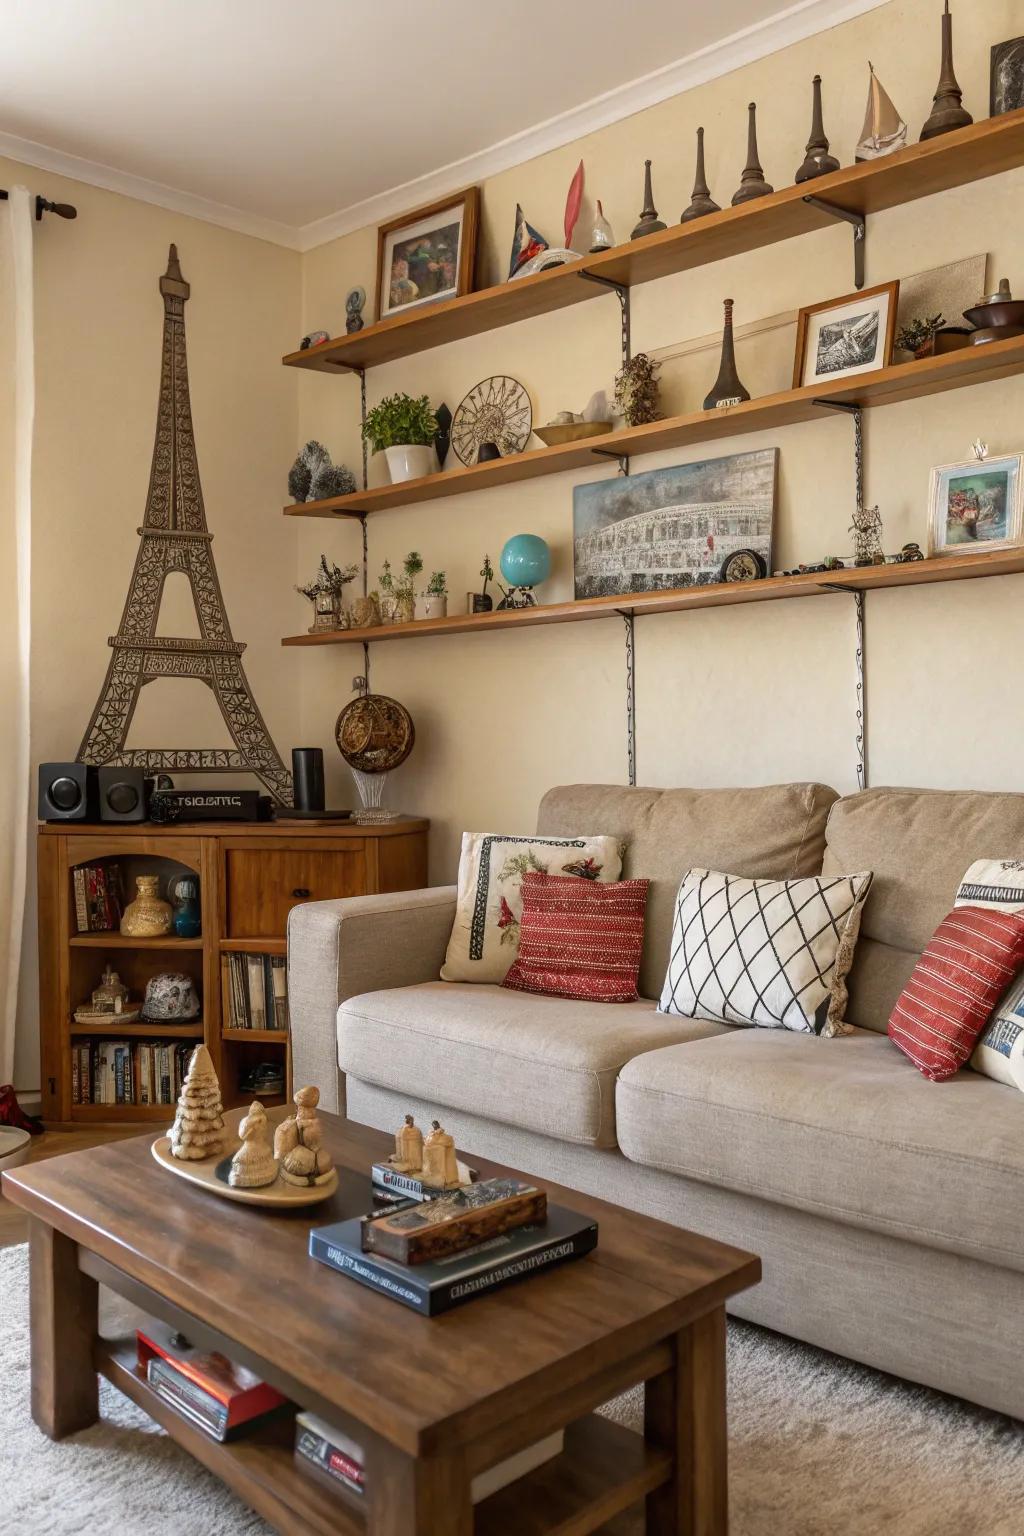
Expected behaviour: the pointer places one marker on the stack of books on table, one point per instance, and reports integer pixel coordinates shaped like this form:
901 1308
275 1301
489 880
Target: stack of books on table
255 991
223 1398
98 898
334 1458
434 1255
128 1072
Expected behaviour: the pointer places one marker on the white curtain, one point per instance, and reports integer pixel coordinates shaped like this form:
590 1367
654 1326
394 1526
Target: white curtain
17 409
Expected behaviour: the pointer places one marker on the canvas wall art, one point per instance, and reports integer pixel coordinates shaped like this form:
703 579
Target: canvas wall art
673 527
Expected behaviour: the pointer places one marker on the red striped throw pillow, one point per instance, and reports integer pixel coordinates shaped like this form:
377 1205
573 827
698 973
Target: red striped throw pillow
579 938
971 959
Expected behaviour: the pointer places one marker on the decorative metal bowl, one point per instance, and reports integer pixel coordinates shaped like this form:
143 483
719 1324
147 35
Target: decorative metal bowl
1005 312
374 733
571 432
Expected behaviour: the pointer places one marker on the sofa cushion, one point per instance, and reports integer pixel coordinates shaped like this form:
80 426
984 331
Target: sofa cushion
776 832
919 842
548 1064
844 1129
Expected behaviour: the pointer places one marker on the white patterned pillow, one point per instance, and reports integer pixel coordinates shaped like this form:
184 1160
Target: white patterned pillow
485 935
774 953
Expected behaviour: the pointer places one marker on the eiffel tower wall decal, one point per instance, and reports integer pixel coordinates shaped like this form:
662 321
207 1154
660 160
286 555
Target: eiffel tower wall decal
174 537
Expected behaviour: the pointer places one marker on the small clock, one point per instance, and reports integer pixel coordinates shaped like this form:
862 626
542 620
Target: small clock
743 565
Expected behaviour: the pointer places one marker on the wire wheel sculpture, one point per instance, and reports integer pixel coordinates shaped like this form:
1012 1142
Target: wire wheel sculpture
497 410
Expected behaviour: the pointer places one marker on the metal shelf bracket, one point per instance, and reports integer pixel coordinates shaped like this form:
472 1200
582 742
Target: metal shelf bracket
609 453
860 230
622 294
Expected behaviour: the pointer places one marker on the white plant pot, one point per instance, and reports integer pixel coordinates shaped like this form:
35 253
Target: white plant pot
435 607
410 461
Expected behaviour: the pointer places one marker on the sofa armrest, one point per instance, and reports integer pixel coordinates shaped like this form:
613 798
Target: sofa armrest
339 949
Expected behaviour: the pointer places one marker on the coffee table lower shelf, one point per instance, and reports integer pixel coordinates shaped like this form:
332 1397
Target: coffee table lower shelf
603 1472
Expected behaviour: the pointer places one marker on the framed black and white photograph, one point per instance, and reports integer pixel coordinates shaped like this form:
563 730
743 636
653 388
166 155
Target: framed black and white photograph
1006 79
847 336
676 527
977 505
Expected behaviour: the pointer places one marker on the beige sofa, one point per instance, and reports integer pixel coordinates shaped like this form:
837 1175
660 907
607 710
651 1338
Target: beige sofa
887 1209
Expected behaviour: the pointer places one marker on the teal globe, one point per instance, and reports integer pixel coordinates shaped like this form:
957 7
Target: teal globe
525 560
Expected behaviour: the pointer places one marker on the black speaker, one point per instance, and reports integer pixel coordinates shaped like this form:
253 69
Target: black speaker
123 794
308 778
68 792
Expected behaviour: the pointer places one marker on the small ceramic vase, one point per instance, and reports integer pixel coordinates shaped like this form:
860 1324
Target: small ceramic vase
148 916
435 605
410 461
186 920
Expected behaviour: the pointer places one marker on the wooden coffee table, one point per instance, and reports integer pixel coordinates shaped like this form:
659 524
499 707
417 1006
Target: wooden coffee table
432 1401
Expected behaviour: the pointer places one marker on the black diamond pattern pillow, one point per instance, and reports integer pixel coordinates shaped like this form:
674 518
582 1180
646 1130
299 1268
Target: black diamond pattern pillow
773 953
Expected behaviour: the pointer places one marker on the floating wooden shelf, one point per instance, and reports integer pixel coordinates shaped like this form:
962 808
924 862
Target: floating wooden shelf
264 1036
115 1031
969 154
115 940
1004 562
887 386
254 946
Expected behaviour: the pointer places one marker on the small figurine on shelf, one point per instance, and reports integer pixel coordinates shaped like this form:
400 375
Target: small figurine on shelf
440 1167
198 1129
298 1143
636 390
253 1164
110 1000
867 537
354 310
408 1154
884 131
314 339
325 592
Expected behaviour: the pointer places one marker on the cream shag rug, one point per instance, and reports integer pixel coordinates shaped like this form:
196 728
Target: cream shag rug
818 1447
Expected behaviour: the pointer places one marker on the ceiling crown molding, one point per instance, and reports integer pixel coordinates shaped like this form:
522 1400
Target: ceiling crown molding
792 25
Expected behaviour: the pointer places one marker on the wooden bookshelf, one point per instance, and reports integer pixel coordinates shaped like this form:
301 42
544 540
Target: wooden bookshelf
785 408
1004 562
970 154
138 1031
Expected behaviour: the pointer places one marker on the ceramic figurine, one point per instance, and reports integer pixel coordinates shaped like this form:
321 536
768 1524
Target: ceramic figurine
314 339
752 182
408 1154
884 131
701 201
527 244
727 388
298 1143
198 1129
253 1164
148 916
948 110
440 1168
354 310
601 237
649 222
817 161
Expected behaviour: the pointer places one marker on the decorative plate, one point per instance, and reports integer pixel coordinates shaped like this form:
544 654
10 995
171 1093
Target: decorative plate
497 410
374 733
211 1173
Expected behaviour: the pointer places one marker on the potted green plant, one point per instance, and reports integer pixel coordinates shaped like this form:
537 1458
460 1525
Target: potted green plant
436 595
403 429
405 588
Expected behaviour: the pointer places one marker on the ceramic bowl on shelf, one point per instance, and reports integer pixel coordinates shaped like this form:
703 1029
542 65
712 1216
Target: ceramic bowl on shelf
570 432
14 1146
1002 314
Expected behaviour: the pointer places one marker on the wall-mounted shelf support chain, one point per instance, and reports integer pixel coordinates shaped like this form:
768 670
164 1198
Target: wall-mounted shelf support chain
860 230
622 294
852 409
627 618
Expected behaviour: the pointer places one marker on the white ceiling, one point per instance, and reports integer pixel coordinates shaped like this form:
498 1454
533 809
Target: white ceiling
300 119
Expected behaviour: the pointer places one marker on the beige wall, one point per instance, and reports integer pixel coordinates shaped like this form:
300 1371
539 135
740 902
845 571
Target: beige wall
99 319
730 696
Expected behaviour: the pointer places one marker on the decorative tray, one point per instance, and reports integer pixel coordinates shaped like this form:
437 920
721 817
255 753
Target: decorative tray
211 1173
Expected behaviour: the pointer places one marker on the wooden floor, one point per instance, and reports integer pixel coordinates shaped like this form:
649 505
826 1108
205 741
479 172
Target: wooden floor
14 1223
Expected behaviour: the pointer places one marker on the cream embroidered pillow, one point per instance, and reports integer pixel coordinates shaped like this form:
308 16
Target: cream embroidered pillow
773 953
485 936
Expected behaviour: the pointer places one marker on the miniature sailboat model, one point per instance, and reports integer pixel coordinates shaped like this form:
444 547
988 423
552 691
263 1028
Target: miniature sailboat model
884 131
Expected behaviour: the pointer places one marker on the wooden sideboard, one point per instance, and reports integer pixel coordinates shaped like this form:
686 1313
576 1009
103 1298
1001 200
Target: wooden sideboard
250 875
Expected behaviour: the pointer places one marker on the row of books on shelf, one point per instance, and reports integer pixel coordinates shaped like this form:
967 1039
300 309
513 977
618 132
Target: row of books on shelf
129 1071
99 897
226 1400
256 991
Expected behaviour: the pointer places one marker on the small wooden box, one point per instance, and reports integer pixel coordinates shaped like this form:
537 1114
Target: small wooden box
435 1228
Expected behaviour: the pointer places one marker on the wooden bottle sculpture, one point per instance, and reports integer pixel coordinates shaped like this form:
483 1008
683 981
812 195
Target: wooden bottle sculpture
408 1154
727 388
253 1164
701 201
948 110
299 1145
440 1168
817 160
649 223
752 182
198 1129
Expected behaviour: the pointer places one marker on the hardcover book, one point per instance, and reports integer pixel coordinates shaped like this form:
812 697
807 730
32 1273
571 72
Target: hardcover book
436 1287
206 1386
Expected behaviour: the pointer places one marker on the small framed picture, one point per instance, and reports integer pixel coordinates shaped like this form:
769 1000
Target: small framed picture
1006 77
847 336
977 505
428 254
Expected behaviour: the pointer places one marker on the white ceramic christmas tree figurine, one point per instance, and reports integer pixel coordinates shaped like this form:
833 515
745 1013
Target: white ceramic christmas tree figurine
253 1164
299 1143
198 1129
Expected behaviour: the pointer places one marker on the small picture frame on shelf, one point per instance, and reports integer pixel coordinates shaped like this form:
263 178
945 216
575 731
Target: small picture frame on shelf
978 505
428 254
843 337
1006 77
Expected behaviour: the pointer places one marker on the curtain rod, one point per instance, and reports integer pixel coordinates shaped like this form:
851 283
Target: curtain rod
62 210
